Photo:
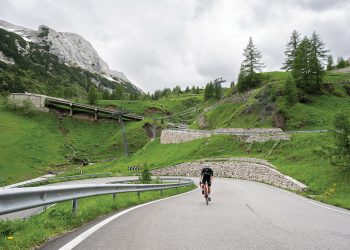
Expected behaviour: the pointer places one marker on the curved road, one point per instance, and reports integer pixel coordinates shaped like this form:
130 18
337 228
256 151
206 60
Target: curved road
242 215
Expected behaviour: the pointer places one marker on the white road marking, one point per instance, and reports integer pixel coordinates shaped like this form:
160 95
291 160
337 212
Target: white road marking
312 202
330 208
76 241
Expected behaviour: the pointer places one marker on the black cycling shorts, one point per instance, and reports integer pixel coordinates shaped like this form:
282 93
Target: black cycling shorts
206 180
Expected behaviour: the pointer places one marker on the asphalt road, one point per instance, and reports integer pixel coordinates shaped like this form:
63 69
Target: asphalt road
242 215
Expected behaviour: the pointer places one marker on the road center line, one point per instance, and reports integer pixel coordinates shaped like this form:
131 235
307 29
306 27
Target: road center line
76 241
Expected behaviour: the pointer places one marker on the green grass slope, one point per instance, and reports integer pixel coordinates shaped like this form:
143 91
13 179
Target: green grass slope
257 107
34 145
172 107
296 158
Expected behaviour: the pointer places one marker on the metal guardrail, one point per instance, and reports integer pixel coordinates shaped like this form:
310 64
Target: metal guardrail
65 178
249 133
218 132
67 103
17 199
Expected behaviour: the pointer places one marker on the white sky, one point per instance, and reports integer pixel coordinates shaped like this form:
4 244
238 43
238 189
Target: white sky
163 43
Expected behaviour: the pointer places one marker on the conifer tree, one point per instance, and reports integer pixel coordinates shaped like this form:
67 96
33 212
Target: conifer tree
317 60
92 95
248 77
291 49
308 69
290 91
341 63
217 91
301 70
208 91
330 62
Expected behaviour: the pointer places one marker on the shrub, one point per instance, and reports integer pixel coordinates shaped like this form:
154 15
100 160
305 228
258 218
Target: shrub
347 89
28 107
145 176
10 104
342 139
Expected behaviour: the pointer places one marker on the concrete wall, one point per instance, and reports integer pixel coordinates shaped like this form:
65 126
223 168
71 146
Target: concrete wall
177 136
250 134
38 101
239 168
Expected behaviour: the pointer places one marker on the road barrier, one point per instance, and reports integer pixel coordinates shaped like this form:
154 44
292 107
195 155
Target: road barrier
17 199
65 178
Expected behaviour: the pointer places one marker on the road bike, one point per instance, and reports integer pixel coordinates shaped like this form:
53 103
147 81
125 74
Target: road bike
206 195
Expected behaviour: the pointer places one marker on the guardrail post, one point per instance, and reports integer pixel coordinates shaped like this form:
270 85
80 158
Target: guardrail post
161 192
138 194
71 109
114 195
75 205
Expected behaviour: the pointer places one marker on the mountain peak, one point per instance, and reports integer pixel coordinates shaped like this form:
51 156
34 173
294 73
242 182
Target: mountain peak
72 49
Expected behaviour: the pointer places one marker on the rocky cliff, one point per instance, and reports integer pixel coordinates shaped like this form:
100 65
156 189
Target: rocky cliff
71 49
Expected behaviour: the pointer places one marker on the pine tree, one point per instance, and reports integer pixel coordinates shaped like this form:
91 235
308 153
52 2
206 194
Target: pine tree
290 52
317 60
177 90
193 90
208 91
92 95
301 71
290 91
341 63
105 95
217 91
342 139
308 69
330 63
248 77
118 93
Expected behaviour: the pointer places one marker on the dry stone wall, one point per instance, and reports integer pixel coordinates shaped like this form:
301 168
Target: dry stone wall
250 134
239 168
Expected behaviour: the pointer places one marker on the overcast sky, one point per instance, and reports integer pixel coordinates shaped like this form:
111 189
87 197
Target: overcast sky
163 43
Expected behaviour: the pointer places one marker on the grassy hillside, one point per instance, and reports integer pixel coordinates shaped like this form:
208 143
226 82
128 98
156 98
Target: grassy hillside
297 158
35 144
174 109
257 107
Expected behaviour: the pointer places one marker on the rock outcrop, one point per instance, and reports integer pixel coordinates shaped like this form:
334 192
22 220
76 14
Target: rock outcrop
72 49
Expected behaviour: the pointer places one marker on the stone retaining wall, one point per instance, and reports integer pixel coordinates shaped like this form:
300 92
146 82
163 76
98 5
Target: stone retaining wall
239 168
250 134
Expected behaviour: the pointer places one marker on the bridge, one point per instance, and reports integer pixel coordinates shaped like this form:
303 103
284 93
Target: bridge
44 103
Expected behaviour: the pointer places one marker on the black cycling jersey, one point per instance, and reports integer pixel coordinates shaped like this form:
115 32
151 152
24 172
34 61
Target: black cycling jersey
207 173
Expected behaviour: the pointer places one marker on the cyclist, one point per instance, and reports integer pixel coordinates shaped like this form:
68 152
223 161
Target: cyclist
206 176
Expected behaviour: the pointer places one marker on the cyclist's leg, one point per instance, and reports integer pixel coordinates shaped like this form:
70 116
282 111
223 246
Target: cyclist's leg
205 189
